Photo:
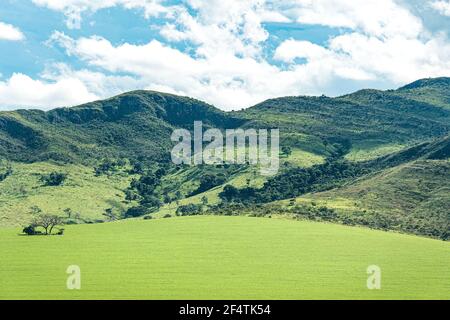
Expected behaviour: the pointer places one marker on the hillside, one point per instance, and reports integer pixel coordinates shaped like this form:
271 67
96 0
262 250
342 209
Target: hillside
86 194
412 197
132 125
139 124
407 191
434 91
379 157
368 121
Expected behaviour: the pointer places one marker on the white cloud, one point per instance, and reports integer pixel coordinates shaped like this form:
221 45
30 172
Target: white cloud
442 6
221 79
398 59
73 9
22 91
232 26
96 83
356 56
375 17
290 50
9 32
273 16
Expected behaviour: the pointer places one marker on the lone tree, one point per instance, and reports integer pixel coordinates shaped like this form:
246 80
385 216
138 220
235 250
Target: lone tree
47 222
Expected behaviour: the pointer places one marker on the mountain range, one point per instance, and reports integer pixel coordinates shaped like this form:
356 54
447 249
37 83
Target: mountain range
395 143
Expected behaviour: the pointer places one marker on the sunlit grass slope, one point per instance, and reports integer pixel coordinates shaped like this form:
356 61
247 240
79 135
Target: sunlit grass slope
82 192
222 258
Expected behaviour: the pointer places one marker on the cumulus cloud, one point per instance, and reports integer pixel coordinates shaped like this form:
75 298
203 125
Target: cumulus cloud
374 17
96 83
221 26
356 56
9 32
384 41
22 91
222 79
290 50
442 7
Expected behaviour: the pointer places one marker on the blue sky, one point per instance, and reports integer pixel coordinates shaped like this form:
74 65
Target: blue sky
232 54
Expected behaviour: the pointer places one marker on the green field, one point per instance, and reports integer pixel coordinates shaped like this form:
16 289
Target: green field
211 257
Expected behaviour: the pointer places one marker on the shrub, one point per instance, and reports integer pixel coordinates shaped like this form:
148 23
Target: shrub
6 173
108 166
54 179
30 230
151 201
209 181
71 221
189 210
286 150
137 211
229 193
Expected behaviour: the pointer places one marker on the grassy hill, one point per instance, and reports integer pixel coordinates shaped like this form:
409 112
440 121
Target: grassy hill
412 197
371 140
188 179
222 258
138 124
405 191
86 194
433 91
367 120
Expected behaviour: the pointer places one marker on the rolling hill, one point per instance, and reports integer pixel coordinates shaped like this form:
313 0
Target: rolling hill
133 125
367 120
433 91
222 258
353 148
139 123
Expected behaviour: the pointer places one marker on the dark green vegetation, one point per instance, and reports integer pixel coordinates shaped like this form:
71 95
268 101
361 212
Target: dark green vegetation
421 189
46 222
54 179
133 125
372 158
433 91
6 171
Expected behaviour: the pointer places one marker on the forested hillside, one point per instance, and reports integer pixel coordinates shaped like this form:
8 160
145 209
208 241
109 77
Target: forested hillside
133 125
375 158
